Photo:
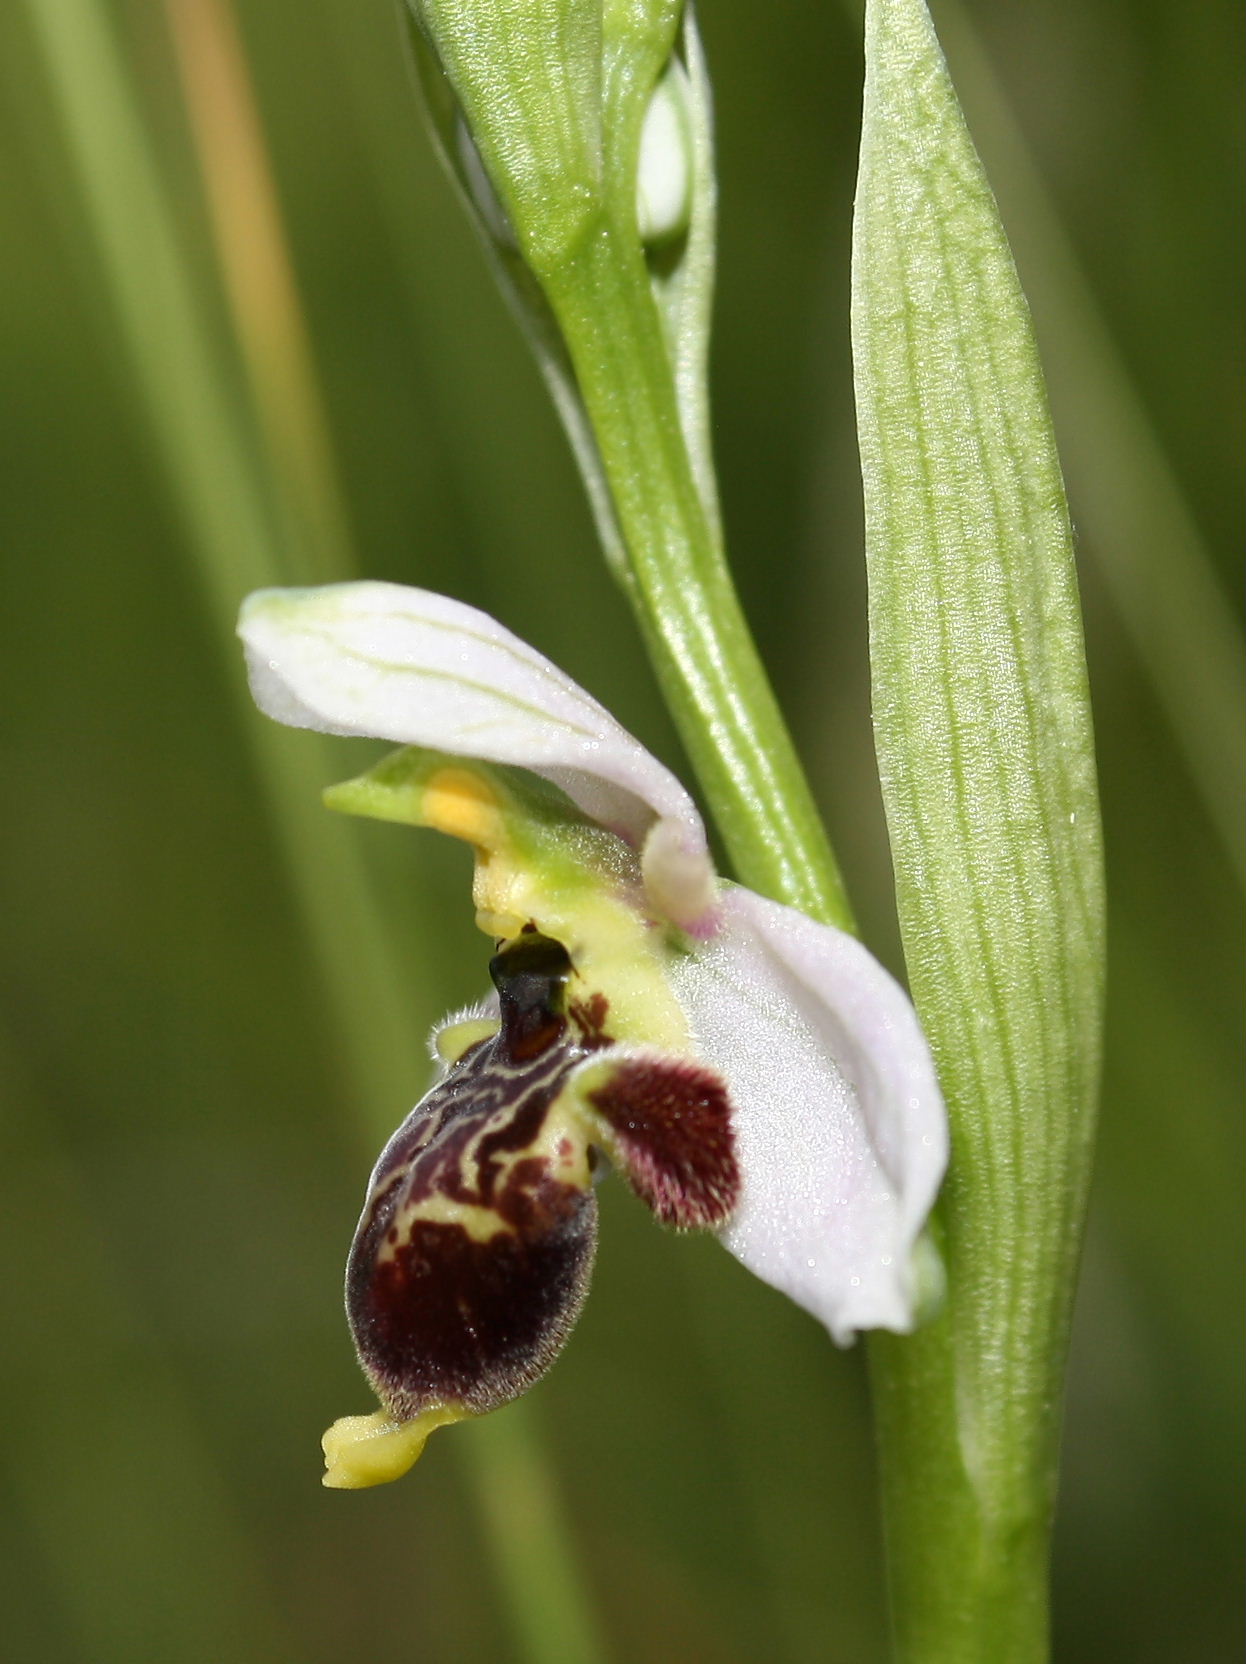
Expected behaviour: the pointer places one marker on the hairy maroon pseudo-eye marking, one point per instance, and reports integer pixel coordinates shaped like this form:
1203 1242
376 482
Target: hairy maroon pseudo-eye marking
670 1121
471 1260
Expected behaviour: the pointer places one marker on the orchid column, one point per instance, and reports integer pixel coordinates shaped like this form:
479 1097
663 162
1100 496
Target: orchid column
579 131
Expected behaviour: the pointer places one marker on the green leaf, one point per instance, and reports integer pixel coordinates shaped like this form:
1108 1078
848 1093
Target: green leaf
986 759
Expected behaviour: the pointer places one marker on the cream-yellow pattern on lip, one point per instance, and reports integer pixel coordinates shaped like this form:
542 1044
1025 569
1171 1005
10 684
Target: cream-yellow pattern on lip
479 1222
561 1144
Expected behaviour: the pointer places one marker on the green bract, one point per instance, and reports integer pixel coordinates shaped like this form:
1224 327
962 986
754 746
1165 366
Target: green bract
554 94
580 135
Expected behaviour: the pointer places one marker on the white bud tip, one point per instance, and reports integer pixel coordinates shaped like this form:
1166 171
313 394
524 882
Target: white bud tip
664 174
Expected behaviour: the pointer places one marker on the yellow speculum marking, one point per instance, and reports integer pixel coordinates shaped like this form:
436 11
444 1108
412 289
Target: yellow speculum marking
561 1143
482 1224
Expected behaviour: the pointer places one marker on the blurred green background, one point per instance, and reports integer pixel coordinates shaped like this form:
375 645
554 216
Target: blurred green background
215 995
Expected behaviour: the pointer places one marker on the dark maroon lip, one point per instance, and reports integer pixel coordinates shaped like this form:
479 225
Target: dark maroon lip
472 1258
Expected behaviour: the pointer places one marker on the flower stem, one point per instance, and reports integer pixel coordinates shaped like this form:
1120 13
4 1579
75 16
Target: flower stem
967 1551
681 589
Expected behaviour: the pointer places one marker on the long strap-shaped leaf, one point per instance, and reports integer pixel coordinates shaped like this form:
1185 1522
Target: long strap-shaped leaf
987 765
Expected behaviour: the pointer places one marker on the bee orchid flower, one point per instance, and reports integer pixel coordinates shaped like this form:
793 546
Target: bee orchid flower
744 1068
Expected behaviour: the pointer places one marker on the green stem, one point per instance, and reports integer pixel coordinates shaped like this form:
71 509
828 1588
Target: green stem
681 589
967 1551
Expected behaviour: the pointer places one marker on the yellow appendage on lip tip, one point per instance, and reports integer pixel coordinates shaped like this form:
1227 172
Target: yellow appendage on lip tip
360 1451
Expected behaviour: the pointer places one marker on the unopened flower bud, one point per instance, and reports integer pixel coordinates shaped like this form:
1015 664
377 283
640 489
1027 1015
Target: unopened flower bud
664 172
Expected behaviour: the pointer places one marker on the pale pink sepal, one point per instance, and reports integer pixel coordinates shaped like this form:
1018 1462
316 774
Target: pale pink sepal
416 668
840 1126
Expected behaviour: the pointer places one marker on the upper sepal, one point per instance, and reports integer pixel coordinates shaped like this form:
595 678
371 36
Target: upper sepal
840 1128
406 665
